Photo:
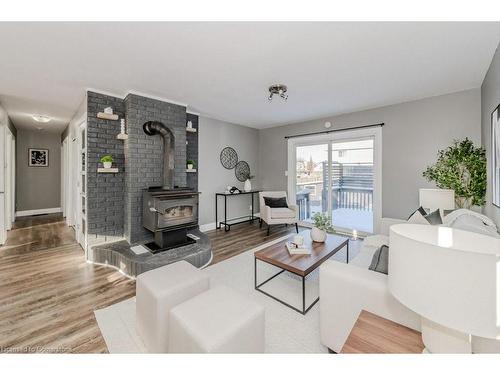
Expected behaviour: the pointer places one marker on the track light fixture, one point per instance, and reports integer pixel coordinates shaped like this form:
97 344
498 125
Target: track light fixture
278 89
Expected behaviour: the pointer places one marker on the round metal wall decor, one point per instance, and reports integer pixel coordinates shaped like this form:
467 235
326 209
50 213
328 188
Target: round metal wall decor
228 157
242 171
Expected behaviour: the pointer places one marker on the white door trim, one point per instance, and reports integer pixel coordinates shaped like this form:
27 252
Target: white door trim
81 178
8 179
13 179
3 232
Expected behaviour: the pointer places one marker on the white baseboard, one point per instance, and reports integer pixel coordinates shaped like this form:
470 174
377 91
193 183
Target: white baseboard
212 226
207 227
39 212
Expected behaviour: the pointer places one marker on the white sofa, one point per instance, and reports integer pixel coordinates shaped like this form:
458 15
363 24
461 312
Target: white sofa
346 289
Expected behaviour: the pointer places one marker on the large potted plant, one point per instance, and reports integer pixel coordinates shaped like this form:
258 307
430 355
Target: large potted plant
322 225
461 167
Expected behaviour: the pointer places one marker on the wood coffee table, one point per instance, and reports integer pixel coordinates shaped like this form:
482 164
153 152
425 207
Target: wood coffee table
300 265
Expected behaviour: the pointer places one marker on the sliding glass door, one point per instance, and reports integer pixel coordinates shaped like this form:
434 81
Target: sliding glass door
352 184
338 174
311 187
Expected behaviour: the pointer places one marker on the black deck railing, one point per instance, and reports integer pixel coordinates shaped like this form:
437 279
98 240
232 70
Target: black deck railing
352 185
352 188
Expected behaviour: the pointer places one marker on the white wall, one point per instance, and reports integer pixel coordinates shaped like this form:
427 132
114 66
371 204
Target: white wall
4 119
490 99
213 136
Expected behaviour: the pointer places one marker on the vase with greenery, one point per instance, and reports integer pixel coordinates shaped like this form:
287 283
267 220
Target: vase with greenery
107 161
322 225
248 185
190 164
461 167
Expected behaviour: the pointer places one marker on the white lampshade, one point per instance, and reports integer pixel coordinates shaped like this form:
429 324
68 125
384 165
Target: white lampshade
437 198
448 276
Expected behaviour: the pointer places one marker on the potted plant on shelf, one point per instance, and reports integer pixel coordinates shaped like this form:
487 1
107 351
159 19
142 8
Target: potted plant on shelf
322 225
248 184
190 164
461 167
107 161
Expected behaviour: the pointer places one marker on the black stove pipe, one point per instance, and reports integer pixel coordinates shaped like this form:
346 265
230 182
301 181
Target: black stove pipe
154 128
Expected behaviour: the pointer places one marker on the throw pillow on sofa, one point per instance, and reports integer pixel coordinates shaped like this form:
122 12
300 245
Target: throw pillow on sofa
420 216
380 260
276 202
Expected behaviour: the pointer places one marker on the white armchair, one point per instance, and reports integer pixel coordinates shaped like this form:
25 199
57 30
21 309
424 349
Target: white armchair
277 215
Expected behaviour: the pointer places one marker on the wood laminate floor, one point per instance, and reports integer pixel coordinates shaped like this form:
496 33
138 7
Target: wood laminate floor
48 292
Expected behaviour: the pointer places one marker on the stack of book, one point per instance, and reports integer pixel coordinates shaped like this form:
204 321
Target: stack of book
294 249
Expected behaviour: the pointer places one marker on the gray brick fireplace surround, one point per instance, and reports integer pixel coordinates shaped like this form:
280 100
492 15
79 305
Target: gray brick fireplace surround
114 201
144 156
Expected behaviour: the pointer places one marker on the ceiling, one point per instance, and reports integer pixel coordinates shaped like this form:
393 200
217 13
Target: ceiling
223 70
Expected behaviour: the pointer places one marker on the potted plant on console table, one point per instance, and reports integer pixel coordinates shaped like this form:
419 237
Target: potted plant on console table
107 161
322 225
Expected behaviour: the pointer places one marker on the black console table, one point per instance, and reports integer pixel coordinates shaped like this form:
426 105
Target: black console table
229 222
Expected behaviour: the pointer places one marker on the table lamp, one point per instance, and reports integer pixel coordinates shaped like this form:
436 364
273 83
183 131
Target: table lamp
451 278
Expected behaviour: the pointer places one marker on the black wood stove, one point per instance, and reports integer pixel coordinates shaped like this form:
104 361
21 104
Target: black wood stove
169 213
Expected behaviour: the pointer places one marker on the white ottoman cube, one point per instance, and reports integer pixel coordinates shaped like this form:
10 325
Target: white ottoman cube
157 292
217 321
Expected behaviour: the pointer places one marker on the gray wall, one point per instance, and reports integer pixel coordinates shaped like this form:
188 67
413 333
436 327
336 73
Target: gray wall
412 135
38 187
490 99
214 135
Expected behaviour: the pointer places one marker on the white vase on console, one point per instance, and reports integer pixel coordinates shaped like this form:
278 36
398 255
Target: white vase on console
248 185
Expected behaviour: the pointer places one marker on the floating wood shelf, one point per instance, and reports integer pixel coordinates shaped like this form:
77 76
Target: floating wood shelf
107 116
191 170
191 130
107 170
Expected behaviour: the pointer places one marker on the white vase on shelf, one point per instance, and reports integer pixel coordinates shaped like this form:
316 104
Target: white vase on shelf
107 164
247 186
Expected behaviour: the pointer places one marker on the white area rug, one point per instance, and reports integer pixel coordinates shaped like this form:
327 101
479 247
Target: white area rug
286 330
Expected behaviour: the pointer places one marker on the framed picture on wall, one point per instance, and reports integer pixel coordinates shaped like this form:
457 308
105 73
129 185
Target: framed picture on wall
495 156
38 157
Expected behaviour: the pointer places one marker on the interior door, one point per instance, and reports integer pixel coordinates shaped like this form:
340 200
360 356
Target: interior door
13 179
8 179
3 231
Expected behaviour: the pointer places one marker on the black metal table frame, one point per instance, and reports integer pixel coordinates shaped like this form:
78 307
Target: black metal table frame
304 310
227 226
